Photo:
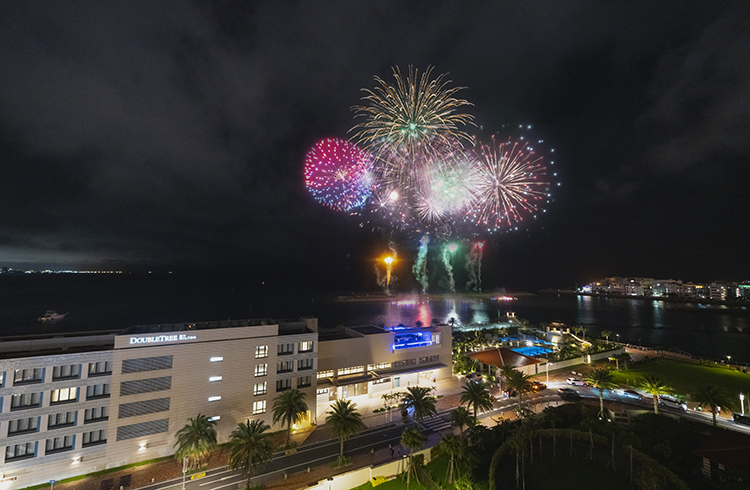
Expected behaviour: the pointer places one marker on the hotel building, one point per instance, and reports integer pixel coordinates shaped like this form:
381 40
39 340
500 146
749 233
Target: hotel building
75 404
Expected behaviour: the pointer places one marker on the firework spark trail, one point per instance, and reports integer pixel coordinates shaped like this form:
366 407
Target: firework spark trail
447 253
420 266
510 174
474 266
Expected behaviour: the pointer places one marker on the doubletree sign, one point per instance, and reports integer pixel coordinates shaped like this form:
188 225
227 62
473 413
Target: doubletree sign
159 339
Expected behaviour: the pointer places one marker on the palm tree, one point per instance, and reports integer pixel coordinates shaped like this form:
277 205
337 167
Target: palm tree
414 440
419 399
460 417
249 446
287 408
505 372
655 386
196 439
606 334
520 382
714 397
625 358
344 421
476 395
580 329
602 379
450 445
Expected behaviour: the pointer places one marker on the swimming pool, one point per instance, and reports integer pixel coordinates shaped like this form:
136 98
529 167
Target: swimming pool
532 351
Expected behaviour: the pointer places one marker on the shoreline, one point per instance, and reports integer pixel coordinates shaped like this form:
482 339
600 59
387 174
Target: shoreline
420 298
706 301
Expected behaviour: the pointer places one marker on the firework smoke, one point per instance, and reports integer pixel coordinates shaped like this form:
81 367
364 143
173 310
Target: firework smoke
447 254
420 266
474 266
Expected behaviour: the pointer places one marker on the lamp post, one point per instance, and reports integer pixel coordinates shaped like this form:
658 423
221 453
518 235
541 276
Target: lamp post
742 403
729 359
184 471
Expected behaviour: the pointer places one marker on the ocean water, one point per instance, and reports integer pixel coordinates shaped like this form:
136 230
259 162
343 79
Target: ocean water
107 302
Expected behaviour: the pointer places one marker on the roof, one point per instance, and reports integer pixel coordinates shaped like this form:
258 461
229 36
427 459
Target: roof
503 357
729 448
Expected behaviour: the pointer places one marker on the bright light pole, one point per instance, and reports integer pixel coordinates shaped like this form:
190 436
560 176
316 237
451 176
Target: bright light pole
729 359
742 403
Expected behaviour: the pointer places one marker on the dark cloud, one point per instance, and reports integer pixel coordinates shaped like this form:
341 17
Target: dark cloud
173 134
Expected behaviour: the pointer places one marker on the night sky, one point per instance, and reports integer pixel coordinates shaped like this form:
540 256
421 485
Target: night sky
172 136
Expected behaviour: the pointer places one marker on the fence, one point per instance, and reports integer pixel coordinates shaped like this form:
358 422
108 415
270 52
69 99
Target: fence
358 477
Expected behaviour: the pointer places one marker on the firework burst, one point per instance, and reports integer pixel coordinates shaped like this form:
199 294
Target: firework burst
513 182
338 174
408 123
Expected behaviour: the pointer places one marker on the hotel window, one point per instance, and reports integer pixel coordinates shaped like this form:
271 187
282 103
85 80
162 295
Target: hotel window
20 451
381 381
100 368
423 360
261 352
22 376
285 349
59 444
26 400
382 365
351 370
306 346
97 391
62 419
259 407
64 395
95 414
66 372
260 388
325 374
285 367
94 437
435 338
405 362
261 370
303 364
22 426
304 381
283 385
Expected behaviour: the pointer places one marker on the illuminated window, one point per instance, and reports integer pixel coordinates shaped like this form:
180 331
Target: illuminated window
351 370
306 346
214 398
64 395
261 370
325 374
261 352
259 407
214 378
216 359
382 365
260 388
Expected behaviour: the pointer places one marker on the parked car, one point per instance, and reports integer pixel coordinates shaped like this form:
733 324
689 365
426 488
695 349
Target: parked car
670 402
538 386
740 419
576 382
510 393
568 393
474 377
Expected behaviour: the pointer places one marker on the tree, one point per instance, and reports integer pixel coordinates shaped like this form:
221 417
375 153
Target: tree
450 445
196 439
505 372
655 386
520 382
288 407
344 421
606 334
476 395
714 397
580 329
414 440
625 358
602 379
460 417
249 446
420 400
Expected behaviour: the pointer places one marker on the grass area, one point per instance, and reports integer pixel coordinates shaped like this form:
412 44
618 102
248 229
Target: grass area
573 474
684 377
397 484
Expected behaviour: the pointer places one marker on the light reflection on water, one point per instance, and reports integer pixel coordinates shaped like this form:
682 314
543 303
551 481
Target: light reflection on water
710 332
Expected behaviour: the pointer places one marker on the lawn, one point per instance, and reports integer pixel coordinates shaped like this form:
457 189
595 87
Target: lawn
684 377
573 474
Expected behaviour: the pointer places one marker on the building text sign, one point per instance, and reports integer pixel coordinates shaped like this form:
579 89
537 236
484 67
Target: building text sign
160 339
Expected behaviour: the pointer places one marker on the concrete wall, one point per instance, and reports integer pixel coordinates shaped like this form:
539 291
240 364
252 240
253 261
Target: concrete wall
579 360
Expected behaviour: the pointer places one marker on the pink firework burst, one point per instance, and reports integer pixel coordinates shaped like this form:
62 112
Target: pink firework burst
338 174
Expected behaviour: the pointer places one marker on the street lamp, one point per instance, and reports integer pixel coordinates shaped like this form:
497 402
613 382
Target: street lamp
742 403
729 359
184 471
